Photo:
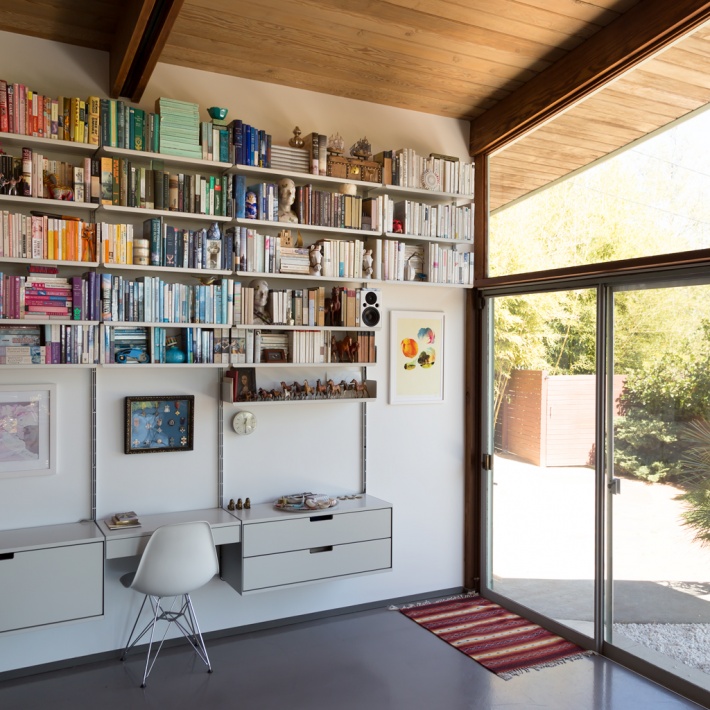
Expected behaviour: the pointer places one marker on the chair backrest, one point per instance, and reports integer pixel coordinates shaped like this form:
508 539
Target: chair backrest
178 559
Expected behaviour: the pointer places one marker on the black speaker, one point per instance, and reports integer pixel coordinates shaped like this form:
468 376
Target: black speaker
370 314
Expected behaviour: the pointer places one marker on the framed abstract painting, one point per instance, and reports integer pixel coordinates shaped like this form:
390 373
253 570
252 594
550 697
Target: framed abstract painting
416 357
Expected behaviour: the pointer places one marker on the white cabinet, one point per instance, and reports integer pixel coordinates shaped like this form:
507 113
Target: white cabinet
280 548
50 574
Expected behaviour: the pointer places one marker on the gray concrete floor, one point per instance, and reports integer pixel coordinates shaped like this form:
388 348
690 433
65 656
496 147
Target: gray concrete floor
371 660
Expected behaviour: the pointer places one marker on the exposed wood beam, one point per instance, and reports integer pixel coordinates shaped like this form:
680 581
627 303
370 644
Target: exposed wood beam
641 32
140 39
127 39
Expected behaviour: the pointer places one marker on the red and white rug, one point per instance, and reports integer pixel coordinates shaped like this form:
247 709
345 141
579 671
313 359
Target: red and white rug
499 640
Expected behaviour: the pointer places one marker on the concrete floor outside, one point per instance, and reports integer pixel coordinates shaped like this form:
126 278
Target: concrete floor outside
543 551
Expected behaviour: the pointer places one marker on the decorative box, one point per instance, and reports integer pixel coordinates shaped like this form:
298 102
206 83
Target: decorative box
343 168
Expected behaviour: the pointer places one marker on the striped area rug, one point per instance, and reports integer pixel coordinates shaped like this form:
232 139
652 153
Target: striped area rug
499 640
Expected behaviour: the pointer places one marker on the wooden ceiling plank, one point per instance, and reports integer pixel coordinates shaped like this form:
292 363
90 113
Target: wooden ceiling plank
415 27
367 30
502 16
306 80
602 13
263 40
629 40
353 67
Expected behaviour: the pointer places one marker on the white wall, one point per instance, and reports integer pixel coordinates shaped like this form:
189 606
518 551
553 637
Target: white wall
414 452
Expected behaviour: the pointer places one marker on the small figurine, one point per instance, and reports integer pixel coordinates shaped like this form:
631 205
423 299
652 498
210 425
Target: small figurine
362 149
287 196
239 504
247 503
296 141
397 226
367 264
250 209
231 505
57 191
336 144
315 256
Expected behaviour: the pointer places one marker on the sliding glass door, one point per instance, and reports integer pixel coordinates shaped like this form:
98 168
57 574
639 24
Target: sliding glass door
614 548
658 588
541 492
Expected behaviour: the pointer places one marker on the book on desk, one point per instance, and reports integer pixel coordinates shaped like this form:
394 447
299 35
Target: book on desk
119 521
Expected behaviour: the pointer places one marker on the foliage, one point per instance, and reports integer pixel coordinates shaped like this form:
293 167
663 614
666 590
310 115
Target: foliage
696 465
658 405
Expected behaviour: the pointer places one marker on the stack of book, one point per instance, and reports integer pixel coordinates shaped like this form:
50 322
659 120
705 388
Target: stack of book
294 260
179 128
46 294
123 520
283 157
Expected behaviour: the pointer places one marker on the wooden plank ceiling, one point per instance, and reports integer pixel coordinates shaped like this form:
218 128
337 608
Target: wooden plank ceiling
454 58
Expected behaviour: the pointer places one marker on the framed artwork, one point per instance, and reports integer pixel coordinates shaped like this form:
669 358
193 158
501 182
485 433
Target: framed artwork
158 424
416 357
27 430
245 383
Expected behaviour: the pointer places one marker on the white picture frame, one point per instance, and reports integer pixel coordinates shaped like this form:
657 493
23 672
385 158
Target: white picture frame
27 430
416 357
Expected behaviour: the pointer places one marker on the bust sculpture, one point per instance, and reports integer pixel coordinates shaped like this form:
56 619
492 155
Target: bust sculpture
287 195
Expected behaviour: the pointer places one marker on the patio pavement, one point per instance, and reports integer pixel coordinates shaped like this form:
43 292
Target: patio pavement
544 556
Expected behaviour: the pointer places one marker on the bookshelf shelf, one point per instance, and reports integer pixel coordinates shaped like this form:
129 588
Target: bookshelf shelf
163 324
343 232
57 207
142 211
56 146
303 365
263 326
164 269
320 401
417 238
418 192
48 262
173 160
301 277
45 321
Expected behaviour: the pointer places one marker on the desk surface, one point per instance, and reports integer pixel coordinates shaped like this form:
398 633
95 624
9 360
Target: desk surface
44 536
226 528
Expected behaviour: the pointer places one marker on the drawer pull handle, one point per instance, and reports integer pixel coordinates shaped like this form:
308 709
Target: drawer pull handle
7 556
318 518
316 550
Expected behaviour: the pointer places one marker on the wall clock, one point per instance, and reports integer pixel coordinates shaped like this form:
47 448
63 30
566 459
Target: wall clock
244 423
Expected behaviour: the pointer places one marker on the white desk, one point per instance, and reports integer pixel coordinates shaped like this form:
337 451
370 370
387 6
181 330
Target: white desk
226 528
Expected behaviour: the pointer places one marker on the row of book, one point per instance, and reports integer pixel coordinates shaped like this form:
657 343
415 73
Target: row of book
43 237
206 248
255 252
28 112
150 299
46 296
49 344
249 145
395 260
439 173
127 184
445 221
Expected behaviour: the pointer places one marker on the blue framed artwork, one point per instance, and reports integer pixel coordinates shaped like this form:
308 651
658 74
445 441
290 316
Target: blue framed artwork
159 424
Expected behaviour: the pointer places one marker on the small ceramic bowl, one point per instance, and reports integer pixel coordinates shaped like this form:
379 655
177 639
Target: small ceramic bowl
217 112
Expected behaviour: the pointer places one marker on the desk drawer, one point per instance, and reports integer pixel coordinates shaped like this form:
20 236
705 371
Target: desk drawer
126 546
316 564
316 531
50 585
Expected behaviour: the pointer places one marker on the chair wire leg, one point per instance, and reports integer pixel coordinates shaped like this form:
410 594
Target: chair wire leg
198 643
158 614
130 645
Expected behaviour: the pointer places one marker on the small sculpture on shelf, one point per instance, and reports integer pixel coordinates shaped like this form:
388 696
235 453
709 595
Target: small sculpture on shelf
296 141
231 505
336 144
247 503
173 354
287 195
321 389
367 264
250 209
240 505
360 388
261 298
307 390
333 389
57 191
362 149
315 257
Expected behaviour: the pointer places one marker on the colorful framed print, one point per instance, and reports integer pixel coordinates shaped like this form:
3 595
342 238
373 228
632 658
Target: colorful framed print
159 424
416 357
27 430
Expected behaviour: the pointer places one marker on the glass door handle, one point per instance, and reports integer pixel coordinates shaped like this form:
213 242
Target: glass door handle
615 486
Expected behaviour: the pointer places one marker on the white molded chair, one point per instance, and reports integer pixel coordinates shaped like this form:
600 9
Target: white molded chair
177 560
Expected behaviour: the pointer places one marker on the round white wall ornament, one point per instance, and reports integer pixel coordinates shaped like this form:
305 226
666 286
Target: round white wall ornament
244 423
